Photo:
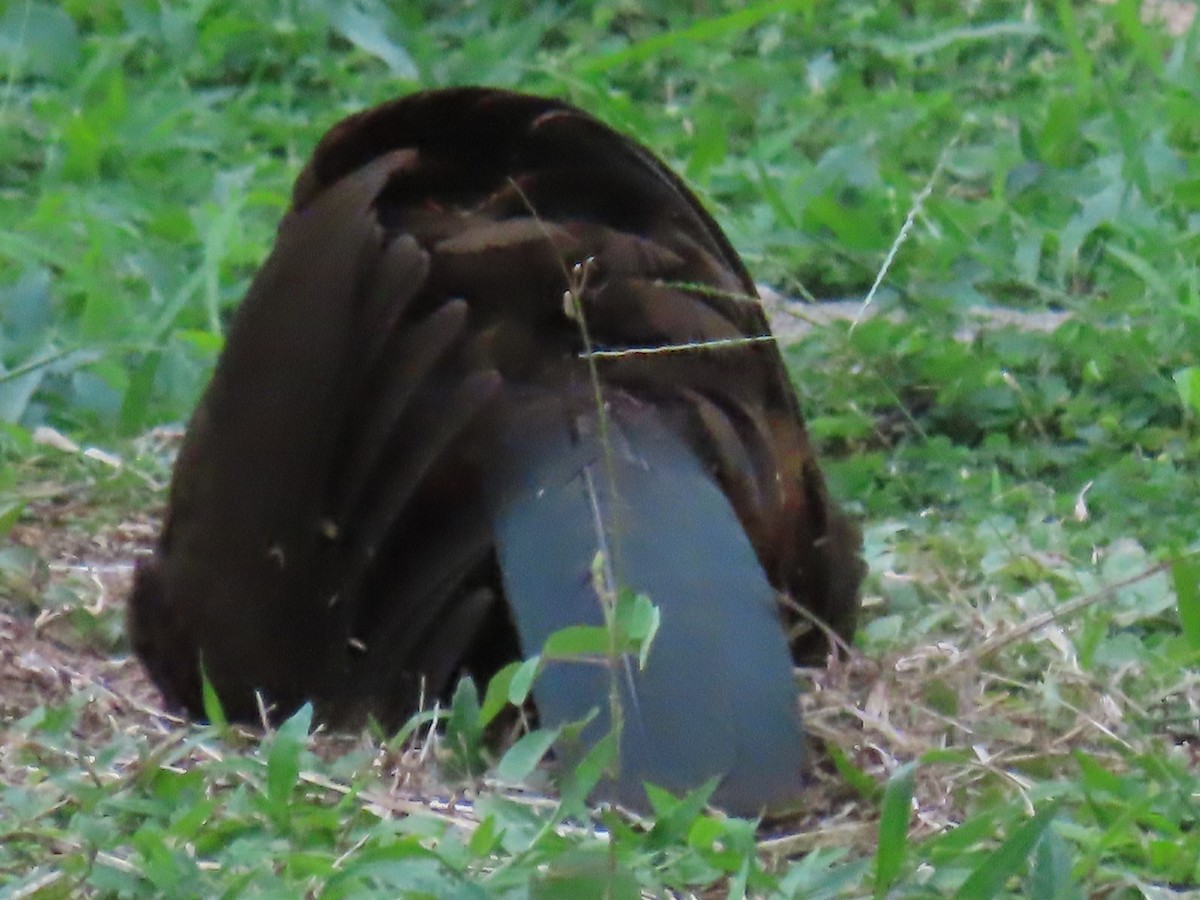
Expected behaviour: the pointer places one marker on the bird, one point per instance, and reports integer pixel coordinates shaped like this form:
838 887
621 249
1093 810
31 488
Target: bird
500 369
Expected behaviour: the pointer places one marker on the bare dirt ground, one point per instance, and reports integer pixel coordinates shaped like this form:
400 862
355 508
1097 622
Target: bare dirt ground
44 657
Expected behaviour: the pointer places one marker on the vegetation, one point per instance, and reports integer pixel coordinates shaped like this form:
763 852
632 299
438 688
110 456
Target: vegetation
1014 415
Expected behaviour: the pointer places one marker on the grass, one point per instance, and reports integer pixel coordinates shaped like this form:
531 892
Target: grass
1022 715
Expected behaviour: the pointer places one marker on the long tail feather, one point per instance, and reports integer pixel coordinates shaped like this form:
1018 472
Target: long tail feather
673 536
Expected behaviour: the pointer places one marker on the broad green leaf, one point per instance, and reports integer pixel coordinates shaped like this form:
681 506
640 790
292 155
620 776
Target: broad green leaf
523 679
1009 860
283 759
893 827
1187 383
585 873
1185 574
498 693
214 710
523 757
577 641
38 39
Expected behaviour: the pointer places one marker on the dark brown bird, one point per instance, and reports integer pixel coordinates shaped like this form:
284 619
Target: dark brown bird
445 392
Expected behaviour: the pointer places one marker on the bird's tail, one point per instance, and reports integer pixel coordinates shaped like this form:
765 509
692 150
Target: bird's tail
716 697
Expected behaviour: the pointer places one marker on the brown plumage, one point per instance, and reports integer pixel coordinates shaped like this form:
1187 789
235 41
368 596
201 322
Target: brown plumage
402 385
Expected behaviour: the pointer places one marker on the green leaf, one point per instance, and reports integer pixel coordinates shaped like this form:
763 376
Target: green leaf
368 30
1102 208
214 711
893 827
675 816
1185 573
464 731
465 714
637 622
576 642
577 782
283 759
702 30
38 39
1187 384
1051 878
990 876
523 679
585 873
498 694
523 756
485 838
854 776
10 514
409 728
135 405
